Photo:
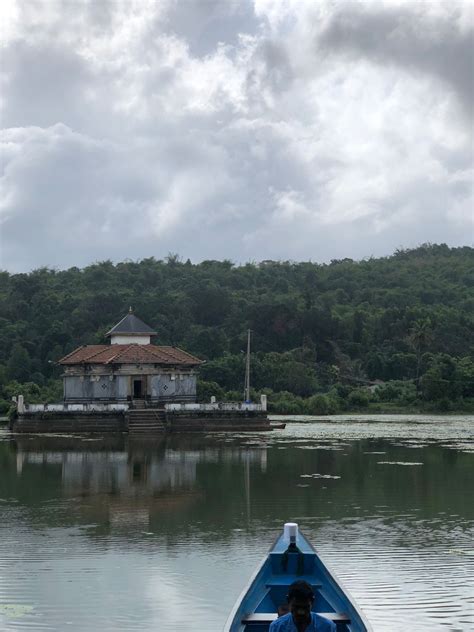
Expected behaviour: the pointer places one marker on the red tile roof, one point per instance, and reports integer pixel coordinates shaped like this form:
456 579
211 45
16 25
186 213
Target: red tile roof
130 354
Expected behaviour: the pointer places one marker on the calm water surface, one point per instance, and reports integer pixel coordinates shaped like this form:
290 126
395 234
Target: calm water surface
113 534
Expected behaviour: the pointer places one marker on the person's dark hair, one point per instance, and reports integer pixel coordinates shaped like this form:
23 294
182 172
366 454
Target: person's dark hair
300 590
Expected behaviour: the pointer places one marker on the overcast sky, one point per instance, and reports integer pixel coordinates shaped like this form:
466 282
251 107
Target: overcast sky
272 129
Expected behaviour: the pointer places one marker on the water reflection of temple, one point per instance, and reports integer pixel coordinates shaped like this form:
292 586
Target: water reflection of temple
133 484
117 471
165 468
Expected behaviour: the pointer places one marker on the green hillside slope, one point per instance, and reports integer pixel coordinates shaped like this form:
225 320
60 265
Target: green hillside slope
322 334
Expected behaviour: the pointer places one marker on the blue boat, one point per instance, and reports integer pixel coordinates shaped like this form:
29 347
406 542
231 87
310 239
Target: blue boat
292 558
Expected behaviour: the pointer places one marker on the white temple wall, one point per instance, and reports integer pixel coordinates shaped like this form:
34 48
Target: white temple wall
124 339
119 386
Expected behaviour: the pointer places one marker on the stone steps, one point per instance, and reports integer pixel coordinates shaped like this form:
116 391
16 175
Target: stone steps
146 421
139 404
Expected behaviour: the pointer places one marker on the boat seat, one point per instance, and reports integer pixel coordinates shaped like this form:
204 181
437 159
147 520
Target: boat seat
283 581
268 617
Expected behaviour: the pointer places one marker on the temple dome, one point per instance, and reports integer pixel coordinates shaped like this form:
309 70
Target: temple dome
130 330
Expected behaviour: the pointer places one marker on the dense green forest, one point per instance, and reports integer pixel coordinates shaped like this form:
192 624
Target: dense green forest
392 333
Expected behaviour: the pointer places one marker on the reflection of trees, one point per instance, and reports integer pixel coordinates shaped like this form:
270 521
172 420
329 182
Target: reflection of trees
183 486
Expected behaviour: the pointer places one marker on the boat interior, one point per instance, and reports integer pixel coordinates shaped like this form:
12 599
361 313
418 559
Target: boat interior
282 569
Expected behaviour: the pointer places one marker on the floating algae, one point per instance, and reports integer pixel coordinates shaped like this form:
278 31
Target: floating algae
318 476
397 463
14 610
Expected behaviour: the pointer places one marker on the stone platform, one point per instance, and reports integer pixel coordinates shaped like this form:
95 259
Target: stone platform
147 421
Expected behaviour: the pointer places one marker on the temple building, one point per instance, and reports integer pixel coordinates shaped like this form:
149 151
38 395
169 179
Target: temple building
129 369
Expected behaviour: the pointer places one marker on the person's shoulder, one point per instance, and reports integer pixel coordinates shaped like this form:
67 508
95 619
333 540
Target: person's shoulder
280 624
322 624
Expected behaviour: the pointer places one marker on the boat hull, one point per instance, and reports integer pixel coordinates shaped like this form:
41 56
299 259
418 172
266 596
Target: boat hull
257 607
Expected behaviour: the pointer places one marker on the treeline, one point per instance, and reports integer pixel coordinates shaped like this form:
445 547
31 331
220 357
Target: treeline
323 335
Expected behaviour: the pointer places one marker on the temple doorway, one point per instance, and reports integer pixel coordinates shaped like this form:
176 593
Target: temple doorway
138 391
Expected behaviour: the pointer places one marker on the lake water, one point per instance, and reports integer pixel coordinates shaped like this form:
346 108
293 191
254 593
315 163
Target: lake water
113 534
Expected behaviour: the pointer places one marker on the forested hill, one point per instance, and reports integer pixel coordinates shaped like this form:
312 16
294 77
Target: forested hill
323 332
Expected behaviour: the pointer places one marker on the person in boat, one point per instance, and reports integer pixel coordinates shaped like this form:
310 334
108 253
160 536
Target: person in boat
300 617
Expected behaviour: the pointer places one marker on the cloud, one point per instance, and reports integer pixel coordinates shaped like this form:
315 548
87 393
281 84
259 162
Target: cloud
43 82
206 24
415 37
221 130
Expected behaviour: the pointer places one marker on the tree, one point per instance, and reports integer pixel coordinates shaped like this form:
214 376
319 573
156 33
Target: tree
465 376
205 390
441 380
19 363
421 335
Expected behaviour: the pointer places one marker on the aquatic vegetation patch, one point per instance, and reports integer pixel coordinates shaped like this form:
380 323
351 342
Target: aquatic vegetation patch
318 476
398 463
462 552
319 447
14 610
466 447
416 445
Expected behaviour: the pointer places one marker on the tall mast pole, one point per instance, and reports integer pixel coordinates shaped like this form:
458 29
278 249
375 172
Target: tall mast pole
247 370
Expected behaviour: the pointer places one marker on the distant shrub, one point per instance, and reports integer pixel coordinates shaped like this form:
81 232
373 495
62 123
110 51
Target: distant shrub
342 390
285 403
444 405
285 407
398 391
205 390
321 405
359 398
233 396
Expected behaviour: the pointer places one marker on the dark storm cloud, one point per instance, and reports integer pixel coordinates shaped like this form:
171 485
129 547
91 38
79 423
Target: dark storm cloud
406 36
